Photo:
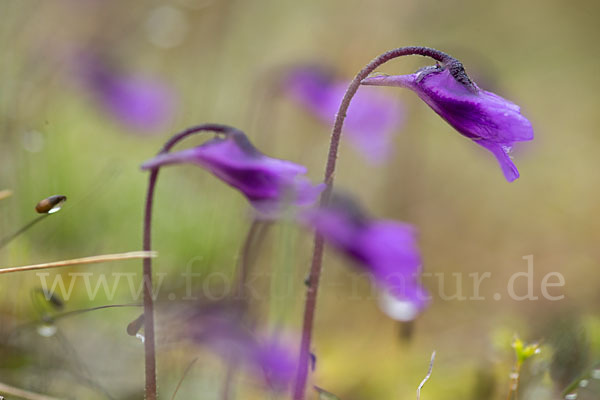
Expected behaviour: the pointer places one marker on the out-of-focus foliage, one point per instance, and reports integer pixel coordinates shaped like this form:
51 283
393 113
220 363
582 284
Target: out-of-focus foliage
217 58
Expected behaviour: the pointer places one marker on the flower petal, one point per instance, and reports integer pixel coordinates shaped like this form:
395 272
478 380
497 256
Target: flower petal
501 153
222 330
372 119
142 103
269 184
388 250
488 119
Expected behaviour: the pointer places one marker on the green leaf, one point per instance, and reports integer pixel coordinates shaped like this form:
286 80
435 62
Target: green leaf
523 351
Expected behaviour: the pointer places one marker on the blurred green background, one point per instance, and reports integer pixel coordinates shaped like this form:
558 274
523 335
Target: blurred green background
217 56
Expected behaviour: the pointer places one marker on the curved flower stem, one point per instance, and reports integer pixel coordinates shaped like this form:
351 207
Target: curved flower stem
245 260
312 282
149 341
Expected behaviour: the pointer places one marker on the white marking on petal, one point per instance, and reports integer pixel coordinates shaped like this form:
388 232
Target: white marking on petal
507 149
400 310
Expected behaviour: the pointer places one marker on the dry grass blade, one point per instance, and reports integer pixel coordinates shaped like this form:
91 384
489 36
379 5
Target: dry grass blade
426 376
24 394
82 261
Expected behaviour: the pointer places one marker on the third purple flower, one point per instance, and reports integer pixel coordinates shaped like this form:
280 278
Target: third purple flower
373 118
224 330
386 249
484 117
139 102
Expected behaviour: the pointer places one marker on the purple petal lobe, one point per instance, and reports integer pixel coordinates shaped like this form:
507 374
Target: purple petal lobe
501 152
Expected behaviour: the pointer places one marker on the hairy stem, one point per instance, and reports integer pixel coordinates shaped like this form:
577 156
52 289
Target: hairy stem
149 341
317 259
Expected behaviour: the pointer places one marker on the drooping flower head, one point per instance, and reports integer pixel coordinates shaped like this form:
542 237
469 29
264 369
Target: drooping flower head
484 117
372 119
140 103
268 183
221 329
386 249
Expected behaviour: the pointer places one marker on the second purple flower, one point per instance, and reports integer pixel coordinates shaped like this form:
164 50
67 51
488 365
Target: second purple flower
373 118
268 183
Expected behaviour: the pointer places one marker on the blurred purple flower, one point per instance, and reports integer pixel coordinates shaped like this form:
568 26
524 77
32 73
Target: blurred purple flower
221 330
372 118
484 117
141 103
386 249
268 183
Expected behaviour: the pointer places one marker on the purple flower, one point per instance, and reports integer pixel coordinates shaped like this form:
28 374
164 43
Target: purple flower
372 118
221 329
386 249
268 183
484 117
141 103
